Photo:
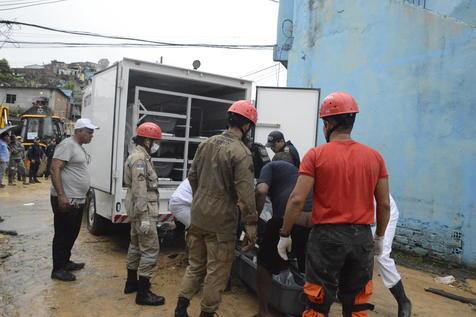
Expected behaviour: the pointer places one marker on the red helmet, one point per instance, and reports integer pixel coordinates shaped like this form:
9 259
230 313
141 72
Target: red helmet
246 109
338 103
149 130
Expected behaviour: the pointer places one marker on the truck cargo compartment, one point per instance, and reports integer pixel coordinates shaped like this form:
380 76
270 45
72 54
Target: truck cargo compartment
188 112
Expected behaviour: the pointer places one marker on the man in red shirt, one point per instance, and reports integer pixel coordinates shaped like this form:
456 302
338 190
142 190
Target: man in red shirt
345 176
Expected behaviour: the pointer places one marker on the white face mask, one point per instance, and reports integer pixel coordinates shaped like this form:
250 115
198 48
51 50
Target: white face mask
155 147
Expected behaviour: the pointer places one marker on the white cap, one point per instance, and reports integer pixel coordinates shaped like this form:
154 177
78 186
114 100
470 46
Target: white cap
84 123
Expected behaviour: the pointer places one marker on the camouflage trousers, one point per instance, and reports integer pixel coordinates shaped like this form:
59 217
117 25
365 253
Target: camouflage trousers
210 257
16 167
143 250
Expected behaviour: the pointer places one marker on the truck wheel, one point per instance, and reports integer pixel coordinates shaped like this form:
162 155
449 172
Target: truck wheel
97 225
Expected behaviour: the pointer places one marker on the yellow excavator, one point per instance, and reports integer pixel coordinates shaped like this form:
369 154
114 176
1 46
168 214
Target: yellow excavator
3 116
39 122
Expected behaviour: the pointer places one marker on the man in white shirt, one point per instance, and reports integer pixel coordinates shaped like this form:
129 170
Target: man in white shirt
70 185
180 203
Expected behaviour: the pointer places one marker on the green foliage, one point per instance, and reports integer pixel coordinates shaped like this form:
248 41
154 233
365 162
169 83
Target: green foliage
69 85
6 75
7 78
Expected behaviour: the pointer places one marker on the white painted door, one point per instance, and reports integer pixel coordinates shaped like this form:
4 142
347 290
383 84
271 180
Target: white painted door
293 111
101 109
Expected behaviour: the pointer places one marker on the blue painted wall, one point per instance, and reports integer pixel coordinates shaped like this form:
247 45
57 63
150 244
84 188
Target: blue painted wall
413 72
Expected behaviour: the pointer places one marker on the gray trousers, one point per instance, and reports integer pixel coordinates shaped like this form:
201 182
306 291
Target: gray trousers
3 167
143 250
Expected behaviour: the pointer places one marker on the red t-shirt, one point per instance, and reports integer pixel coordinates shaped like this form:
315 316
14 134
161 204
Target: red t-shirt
345 176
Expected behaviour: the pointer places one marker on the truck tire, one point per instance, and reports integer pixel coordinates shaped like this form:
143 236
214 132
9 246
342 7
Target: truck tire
97 225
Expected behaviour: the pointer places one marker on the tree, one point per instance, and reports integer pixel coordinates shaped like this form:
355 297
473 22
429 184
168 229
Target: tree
69 85
7 78
6 75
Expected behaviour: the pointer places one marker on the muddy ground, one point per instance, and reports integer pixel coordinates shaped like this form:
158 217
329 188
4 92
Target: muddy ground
27 290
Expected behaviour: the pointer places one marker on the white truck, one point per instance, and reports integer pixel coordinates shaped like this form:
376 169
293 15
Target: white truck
189 105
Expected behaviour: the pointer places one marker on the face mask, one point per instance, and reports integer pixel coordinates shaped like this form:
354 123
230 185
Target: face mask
155 147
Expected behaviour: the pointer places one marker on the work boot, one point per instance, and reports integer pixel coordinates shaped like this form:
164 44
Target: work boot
404 304
131 282
145 296
63 275
37 181
72 266
181 309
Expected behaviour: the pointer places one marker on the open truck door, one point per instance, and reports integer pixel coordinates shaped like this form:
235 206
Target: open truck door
293 111
103 111
101 148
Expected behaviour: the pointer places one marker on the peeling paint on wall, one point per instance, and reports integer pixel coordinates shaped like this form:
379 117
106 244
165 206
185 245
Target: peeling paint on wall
412 70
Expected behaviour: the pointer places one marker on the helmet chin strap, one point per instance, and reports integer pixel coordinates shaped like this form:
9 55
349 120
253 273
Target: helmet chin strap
330 131
148 144
245 133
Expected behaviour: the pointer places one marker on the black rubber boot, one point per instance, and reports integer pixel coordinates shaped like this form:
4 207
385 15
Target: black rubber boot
131 283
181 309
145 296
404 304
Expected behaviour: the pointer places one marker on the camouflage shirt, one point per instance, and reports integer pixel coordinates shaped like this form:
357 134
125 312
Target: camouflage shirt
17 151
142 185
221 177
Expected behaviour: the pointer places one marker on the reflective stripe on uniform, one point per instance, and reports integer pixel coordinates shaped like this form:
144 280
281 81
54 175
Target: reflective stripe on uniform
317 304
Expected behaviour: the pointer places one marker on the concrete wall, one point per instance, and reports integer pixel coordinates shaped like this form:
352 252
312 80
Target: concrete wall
59 104
413 72
25 96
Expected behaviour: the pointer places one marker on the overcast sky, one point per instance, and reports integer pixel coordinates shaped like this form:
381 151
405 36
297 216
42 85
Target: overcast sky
190 21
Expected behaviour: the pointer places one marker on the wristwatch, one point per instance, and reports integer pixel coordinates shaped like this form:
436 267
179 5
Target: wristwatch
283 234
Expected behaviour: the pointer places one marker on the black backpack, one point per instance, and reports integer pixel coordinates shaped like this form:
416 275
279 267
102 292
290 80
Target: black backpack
260 157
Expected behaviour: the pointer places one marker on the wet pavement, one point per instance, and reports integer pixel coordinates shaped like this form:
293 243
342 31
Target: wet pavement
26 288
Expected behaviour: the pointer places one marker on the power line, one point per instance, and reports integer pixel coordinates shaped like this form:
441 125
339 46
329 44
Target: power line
38 44
268 76
259 71
14 3
91 34
32 5
263 74
273 73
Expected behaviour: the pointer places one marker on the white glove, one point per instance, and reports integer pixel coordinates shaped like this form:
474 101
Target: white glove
284 245
145 226
378 245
